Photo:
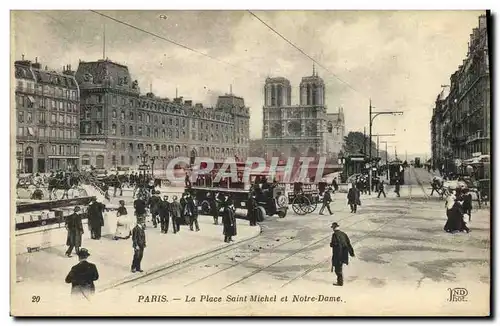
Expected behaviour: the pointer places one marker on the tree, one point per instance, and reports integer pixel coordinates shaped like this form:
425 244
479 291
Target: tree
354 143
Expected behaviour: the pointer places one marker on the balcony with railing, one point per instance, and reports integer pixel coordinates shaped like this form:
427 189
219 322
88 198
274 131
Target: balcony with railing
478 135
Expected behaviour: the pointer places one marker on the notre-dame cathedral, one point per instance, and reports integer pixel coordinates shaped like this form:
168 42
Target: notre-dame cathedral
306 129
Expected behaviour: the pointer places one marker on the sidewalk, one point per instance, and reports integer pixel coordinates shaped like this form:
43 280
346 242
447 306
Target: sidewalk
48 268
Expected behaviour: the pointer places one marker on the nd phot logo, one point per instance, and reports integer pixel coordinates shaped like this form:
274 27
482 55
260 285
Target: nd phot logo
457 294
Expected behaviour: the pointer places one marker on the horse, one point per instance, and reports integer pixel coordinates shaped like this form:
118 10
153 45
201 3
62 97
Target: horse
115 181
64 184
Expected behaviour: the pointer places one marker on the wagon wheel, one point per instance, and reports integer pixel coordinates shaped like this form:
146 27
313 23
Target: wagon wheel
300 204
313 204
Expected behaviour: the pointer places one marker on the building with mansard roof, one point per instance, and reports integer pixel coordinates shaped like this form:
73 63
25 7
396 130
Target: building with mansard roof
118 123
47 118
300 130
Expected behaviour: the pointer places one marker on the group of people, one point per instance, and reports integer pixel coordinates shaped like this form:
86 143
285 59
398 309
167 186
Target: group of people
458 208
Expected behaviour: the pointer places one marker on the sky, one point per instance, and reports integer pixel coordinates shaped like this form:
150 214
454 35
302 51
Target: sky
399 59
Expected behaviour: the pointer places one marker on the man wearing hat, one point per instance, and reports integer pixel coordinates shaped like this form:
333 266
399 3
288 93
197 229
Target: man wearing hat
175 210
138 243
83 275
164 214
95 218
228 220
327 199
341 250
75 230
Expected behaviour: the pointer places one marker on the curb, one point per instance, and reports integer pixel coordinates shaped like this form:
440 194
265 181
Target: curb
175 263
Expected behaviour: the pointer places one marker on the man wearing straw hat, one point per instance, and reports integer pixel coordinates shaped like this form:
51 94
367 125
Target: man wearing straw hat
82 276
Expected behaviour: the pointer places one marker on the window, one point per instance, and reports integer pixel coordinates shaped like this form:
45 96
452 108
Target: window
139 131
156 133
177 134
20 116
113 145
156 118
140 116
122 130
170 121
75 150
176 122
20 131
131 116
163 133
114 112
122 115
68 120
183 122
99 113
54 149
131 147
53 133
122 160
193 124
148 132
113 129
41 117
99 98
53 106
75 122
122 146
67 134
162 120
68 150
61 150
98 125
115 99
87 114
148 118
131 131
61 118
60 105
29 103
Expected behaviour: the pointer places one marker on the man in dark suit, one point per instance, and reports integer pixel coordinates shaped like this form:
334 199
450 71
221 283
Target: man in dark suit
353 199
341 250
164 214
140 210
75 230
138 243
95 218
327 199
82 276
154 207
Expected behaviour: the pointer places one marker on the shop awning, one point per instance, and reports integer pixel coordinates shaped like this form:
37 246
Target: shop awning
62 156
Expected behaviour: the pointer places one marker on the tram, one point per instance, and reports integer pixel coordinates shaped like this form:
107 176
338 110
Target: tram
353 164
396 172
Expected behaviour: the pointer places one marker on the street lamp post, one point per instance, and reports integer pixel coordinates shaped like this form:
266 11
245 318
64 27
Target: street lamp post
372 117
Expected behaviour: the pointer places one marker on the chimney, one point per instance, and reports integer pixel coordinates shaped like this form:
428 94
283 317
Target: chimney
22 57
36 59
46 68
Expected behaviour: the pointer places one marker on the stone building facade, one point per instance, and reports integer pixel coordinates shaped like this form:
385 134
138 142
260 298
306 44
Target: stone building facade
118 123
300 130
47 118
460 124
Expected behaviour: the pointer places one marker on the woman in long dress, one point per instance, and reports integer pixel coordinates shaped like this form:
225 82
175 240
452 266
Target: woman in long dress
123 230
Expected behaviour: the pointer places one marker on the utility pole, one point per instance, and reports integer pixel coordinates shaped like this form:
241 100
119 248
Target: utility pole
372 116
